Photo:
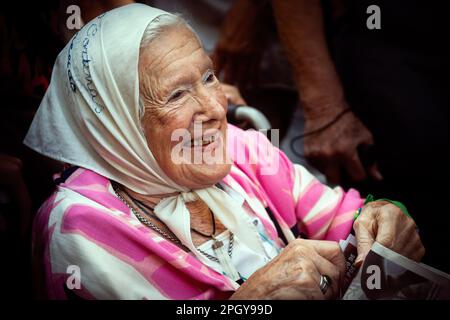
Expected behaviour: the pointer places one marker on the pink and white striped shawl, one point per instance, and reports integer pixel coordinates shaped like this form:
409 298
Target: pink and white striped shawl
83 224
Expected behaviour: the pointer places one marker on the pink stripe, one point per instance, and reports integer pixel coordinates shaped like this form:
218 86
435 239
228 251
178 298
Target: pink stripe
352 201
85 177
185 288
133 247
326 211
325 217
343 218
309 199
341 227
42 235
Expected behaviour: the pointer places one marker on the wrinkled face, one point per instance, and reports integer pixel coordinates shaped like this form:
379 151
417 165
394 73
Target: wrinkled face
181 94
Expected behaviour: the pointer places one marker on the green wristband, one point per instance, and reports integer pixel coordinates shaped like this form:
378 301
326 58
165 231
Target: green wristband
402 207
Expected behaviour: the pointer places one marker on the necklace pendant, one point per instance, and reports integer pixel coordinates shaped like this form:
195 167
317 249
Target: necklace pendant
217 244
225 260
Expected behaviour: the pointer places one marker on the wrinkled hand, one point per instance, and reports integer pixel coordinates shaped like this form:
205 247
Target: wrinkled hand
295 273
335 148
385 223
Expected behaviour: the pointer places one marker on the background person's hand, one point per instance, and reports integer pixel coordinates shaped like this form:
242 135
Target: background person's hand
233 95
335 149
295 273
385 223
242 38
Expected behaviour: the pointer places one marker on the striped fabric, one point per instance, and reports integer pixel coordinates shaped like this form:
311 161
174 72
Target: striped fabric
83 224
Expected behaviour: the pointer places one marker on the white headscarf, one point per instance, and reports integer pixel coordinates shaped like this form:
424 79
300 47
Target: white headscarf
90 117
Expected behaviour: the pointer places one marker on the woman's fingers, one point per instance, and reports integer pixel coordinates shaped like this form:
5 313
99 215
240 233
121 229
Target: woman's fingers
408 240
395 229
326 268
414 249
328 260
417 251
330 251
385 223
310 279
296 273
364 236
386 231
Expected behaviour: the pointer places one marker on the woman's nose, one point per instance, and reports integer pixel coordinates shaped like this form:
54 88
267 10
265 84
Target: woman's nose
209 107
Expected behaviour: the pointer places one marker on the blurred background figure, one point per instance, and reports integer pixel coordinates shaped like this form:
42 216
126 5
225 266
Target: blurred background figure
350 79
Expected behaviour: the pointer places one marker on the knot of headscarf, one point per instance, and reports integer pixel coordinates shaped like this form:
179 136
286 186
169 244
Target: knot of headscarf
174 213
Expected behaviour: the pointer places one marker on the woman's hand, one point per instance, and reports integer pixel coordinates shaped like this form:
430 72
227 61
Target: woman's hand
295 273
385 223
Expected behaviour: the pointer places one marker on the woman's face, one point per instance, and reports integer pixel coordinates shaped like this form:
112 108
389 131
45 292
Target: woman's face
185 109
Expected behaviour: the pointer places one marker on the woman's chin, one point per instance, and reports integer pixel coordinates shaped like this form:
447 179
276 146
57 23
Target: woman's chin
205 175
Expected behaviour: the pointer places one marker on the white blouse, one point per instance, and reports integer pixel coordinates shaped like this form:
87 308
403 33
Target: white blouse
245 260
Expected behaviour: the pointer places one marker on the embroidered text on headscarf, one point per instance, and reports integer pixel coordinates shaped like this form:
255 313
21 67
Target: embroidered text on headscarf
90 33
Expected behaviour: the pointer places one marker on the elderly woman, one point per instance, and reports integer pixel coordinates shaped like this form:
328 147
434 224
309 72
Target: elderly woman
131 218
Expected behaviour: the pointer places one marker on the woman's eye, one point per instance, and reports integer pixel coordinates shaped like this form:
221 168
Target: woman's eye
176 95
210 78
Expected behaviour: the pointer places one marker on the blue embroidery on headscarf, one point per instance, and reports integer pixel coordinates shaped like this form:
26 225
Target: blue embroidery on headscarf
91 31
69 64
